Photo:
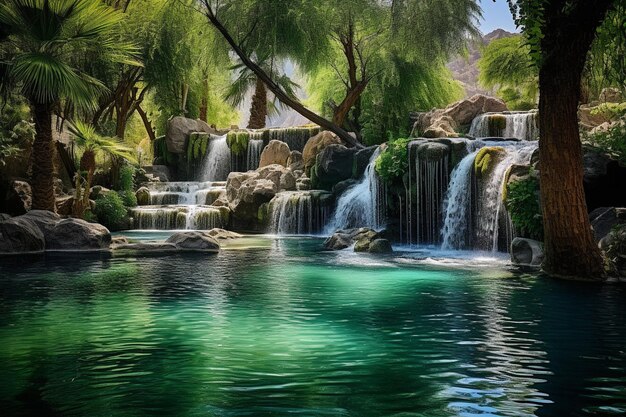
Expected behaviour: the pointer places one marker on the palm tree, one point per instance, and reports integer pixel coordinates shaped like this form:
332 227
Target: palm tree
46 38
261 106
85 137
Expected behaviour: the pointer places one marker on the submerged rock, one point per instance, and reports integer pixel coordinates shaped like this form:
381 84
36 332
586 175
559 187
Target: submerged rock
526 252
380 246
194 241
222 234
363 239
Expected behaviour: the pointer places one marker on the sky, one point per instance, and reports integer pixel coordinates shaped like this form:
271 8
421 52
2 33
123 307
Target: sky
496 15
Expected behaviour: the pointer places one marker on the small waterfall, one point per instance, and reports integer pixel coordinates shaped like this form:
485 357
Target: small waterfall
519 125
217 162
255 147
431 180
295 137
181 205
297 212
457 223
363 204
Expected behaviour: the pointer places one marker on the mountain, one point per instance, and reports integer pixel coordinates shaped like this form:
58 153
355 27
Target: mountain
465 68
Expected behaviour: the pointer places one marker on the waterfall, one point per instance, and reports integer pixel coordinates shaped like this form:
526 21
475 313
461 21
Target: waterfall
295 137
298 212
217 162
255 147
431 180
361 205
519 125
181 205
457 206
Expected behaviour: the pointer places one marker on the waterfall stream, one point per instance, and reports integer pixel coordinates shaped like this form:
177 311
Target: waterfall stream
217 161
253 157
519 125
298 212
361 205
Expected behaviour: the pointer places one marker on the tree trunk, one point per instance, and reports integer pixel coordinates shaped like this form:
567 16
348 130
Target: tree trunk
258 108
43 167
568 30
352 97
204 104
275 88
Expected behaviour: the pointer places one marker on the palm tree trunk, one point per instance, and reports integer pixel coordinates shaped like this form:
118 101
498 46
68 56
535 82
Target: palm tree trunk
43 167
258 108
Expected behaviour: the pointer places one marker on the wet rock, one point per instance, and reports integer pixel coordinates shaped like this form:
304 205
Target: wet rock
77 234
303 183
98 191
334 164
19 235
361 161
338 241
119 240
526 252
222 234
178 130
342 186
159 172
143 196
360 237
295 162
194 241
287 182
315 145
276 152
380 246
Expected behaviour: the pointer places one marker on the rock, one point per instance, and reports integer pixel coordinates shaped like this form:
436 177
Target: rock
589 117
178 130
334 164
338 241
342 186
64 205
287 182
222 234
19 235
4 216
213 195
273 173
19 198
486 159
222 201
119 240
43 219
315 145
604 219
303 183
276 152
160 172
431 150
441 127
526 252
97 191
610 95
361 161
380 246
295 162
194 241
77 234
143 196
362 245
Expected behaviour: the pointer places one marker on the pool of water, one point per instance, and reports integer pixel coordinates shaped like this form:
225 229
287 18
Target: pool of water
278 327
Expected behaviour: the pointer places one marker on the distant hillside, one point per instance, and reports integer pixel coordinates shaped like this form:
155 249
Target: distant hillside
465 69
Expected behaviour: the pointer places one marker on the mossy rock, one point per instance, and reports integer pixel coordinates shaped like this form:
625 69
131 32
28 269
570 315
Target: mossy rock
263 214
497 124
486 159
238 142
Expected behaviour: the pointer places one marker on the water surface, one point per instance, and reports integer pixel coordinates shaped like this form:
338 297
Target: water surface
278 327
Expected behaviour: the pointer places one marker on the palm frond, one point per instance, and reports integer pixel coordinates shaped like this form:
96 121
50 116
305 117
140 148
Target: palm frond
85 136
236 92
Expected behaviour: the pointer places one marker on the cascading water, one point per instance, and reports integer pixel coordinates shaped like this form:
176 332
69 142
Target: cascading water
519 125
295 137
298 212
181 205
217 162
361 205
255 147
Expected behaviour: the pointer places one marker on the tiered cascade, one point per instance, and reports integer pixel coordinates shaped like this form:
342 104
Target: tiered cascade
299 212
181 205
518 125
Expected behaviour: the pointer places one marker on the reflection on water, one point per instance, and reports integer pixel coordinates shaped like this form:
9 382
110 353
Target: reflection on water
279 327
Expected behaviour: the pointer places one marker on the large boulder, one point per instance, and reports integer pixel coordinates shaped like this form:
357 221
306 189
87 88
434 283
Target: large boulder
19 198
19 235
197 241
178 130
334 164
143 196
361 161
222 234
380 246
363 239
77 234
45 220
295 162
526 252
276 152
315 145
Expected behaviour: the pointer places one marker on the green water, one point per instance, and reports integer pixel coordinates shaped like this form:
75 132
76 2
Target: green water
278 327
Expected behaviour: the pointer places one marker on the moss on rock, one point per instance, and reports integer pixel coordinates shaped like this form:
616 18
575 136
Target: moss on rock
486 159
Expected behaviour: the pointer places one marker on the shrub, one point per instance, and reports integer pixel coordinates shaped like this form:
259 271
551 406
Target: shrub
110 210
128 198
127 177
611 141
522 203
393 162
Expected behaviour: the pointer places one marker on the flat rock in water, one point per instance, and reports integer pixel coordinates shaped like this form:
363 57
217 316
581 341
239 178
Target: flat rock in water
199 241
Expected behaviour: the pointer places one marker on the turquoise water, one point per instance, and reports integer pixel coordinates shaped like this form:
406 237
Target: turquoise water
278 327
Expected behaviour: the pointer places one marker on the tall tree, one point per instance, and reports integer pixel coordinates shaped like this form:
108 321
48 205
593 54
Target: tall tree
560 34
43 36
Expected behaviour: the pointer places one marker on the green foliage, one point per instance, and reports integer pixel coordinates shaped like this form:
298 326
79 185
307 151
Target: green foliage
86 138
238 142
160 151
110 210
484 161
611 141
197 146
128 198
127 178
506 64
393 163
522 203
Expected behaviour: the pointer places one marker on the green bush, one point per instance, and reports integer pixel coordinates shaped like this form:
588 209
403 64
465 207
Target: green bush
127 177
611 141
128 198
110 210
522 203
393 162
